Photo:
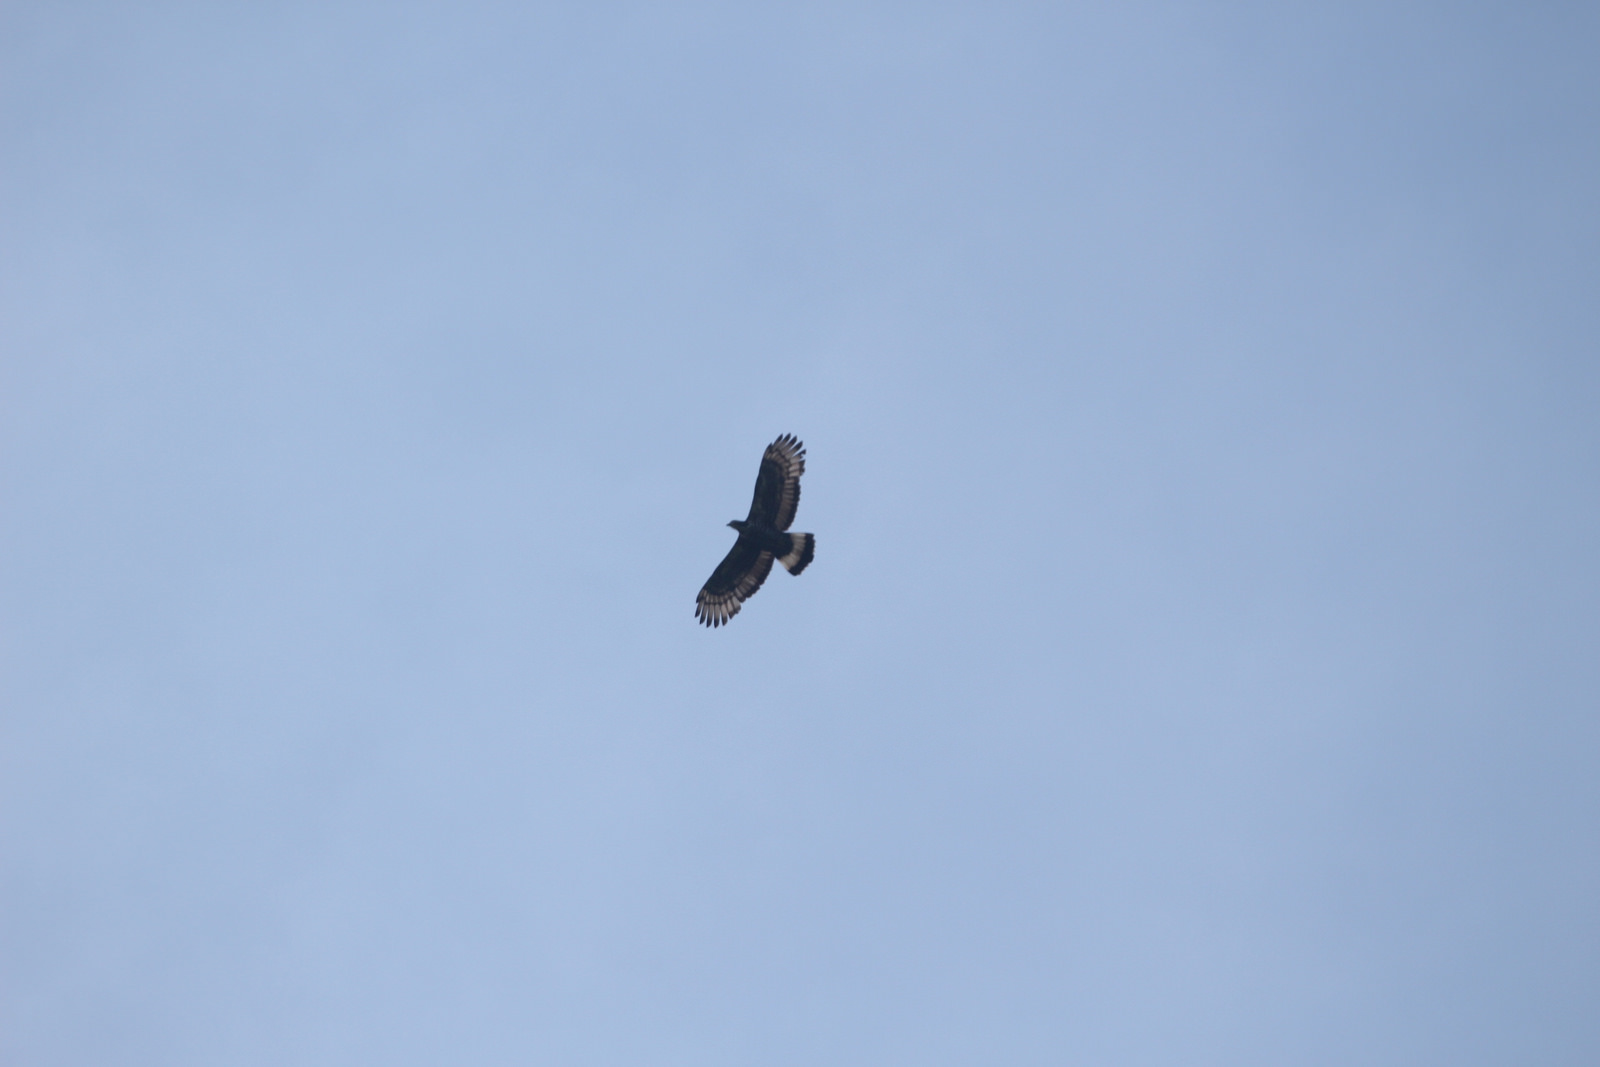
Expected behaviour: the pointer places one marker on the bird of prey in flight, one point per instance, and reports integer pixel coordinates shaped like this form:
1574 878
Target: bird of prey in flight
762 536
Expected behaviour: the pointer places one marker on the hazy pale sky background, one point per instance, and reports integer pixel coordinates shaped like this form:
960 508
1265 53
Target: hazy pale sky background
1199 664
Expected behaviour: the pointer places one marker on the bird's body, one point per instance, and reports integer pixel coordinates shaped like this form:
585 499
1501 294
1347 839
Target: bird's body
763 536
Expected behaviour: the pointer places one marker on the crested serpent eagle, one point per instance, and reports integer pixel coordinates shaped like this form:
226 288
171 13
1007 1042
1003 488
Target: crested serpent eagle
762 536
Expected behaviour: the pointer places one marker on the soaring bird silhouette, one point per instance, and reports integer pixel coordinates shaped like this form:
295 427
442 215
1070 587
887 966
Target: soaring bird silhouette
762 536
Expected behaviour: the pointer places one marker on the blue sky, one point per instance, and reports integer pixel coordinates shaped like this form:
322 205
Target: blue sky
1198 664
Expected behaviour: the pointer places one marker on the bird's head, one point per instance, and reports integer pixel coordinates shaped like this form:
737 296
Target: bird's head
737 524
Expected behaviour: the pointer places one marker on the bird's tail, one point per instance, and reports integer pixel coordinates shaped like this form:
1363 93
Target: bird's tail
805 546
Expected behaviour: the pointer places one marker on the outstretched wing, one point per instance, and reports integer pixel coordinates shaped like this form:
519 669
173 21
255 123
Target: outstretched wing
735 580
778 484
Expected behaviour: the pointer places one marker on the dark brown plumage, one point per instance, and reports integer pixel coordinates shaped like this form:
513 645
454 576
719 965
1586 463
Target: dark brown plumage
762 536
